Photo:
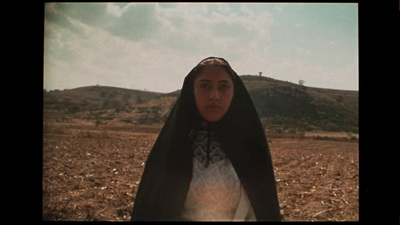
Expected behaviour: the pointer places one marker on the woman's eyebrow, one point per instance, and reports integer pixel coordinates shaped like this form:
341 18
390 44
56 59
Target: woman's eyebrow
220 81
204 80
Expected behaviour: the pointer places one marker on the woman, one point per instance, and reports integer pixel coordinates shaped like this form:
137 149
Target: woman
211 160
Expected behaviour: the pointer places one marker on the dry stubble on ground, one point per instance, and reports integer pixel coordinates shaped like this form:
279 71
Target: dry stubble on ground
92 173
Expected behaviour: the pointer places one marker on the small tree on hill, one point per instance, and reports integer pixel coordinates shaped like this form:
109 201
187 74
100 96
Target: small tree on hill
301 84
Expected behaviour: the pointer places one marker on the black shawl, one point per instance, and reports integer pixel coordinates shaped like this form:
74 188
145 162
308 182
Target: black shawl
168 171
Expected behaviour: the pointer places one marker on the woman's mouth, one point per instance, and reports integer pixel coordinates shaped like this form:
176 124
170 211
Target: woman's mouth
213 106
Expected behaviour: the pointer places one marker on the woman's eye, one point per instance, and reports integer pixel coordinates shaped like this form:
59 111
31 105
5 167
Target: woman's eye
224 87
205 86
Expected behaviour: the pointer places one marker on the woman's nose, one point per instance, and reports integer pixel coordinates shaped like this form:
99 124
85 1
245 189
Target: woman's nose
214 94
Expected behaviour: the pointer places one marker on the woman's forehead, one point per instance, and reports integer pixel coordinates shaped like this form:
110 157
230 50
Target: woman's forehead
213 73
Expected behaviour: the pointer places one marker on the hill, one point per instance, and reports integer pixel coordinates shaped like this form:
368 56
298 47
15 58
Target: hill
94 98
103 105
282 106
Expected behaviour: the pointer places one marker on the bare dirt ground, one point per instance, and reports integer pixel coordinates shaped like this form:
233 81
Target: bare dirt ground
92 173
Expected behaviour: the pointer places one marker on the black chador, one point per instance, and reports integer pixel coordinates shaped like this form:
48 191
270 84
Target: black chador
239 137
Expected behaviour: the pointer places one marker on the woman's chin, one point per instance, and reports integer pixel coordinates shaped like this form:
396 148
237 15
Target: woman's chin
213 118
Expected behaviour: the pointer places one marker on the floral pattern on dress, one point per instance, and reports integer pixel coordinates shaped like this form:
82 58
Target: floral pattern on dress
215 188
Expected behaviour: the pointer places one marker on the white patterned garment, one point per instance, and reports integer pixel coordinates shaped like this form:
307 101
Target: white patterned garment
215 189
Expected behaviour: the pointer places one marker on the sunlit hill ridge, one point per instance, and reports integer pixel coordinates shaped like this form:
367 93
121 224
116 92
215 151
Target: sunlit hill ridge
282 106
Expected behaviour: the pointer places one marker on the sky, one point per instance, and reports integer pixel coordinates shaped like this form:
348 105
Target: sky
153 46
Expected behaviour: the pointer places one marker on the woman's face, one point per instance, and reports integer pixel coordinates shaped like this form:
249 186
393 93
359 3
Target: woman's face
213 91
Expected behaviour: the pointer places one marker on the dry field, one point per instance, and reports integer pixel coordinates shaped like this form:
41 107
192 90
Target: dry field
92 173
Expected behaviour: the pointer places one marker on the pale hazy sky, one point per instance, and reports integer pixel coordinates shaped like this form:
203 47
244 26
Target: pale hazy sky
154 46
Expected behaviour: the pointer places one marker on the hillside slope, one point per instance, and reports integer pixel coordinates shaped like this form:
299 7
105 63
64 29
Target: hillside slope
95 98
281 105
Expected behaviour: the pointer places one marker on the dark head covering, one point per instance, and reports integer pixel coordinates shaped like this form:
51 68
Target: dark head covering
168 171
